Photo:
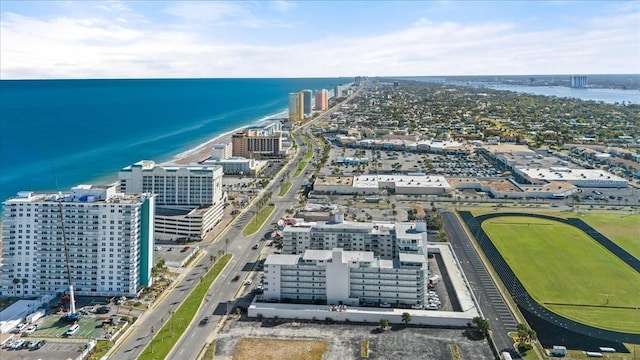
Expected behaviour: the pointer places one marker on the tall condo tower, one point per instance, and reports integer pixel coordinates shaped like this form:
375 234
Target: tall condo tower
110 238
300 108
307 95
293 107
578 81
337 92
322 99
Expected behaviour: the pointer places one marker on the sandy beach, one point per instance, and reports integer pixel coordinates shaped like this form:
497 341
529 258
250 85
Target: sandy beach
203 151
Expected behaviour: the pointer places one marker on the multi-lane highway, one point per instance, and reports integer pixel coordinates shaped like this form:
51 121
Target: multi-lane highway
224 290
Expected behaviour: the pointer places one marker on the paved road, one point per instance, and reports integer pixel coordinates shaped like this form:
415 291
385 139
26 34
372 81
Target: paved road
223 292
491 302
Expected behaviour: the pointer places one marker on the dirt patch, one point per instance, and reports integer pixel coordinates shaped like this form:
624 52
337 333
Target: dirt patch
276 349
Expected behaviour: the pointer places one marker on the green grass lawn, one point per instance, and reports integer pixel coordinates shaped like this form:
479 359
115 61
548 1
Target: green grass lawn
258 219
101 349
558 263
308 155
301 166
168 335
284 187
624 230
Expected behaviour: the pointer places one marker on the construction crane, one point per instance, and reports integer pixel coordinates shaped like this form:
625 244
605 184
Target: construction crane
72 315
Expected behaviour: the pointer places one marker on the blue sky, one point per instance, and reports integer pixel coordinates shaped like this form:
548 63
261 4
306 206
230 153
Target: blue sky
147 39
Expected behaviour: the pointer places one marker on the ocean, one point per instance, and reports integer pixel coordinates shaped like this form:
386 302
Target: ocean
55 134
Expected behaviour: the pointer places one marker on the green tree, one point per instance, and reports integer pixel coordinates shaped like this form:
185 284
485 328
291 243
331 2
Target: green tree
482 326
406 318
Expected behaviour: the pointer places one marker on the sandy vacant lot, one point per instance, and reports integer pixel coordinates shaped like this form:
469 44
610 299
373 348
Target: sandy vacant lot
276 349
343 341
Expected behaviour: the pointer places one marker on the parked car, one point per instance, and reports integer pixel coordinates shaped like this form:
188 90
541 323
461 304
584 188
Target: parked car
248 282
39 344
31 329
18 328
385 305
103 310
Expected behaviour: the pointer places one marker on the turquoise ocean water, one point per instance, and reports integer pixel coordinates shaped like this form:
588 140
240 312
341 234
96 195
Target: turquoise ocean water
55 134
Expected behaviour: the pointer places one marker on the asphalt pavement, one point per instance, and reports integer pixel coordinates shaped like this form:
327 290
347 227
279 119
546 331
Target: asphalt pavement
492 304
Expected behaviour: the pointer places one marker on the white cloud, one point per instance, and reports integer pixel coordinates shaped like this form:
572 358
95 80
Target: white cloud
95 47
280 5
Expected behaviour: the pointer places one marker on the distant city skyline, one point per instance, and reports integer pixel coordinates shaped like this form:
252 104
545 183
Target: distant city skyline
164 39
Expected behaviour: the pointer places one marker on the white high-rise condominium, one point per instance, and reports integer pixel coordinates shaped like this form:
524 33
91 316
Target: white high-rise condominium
109 236
189 197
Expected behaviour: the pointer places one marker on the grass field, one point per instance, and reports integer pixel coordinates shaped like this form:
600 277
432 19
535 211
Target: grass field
300 169
284 187
559 264
276 349
624 230
258 219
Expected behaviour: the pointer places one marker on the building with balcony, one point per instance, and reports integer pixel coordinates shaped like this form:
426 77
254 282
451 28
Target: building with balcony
346 277
110 238
190 199
384 239
253 143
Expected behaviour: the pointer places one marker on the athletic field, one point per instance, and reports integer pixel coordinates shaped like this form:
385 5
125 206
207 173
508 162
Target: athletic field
568 272
622 229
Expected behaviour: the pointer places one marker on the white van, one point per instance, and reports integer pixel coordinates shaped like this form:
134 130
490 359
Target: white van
72 330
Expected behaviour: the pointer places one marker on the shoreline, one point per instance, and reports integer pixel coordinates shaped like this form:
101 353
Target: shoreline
202 151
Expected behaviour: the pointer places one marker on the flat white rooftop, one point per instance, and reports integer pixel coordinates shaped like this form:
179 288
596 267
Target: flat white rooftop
373 181
282 259
566 174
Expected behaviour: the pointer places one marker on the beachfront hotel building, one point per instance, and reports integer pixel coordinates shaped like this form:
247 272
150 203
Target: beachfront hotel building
109 236
257 144
221 151
190 200
341 262
307 98
322 100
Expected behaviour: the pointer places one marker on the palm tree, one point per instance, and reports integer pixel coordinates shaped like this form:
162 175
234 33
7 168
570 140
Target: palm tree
384 324
15 282
24 283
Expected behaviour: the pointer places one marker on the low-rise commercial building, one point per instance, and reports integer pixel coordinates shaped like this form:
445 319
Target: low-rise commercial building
412 184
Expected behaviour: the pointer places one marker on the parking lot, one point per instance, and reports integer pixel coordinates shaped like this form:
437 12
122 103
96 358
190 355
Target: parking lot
390 161
52 350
